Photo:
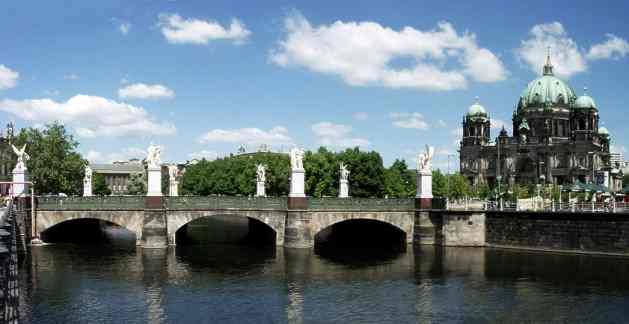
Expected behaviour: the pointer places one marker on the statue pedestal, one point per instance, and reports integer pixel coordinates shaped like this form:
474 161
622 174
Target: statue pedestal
424 189
19 177
344 189
154 181
87 187
173 188
297 183
260 189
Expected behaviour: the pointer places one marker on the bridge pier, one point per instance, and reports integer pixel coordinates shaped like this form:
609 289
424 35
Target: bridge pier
297 232
154 232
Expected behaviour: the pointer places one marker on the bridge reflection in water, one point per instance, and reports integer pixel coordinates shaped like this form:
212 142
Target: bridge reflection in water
245 284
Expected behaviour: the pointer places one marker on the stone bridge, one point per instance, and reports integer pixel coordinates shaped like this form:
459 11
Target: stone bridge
156 225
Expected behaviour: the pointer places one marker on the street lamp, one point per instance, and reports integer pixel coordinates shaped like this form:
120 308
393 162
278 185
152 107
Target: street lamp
542 183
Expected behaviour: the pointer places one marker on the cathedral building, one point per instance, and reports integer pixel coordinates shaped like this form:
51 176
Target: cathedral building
556 140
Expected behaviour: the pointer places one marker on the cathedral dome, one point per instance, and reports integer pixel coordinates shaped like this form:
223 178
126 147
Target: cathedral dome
476 109
547 90
585 102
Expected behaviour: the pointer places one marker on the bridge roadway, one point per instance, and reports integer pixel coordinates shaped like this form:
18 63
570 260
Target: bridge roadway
156 224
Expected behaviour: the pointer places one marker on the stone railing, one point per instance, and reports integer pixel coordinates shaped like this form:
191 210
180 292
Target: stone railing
225 202
91 203
9 290
362 204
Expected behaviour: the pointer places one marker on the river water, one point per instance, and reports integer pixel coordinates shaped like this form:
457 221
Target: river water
65 283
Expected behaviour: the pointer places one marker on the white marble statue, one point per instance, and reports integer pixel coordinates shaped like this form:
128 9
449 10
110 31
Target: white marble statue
154 156
296 158
173 172
424 160
261 173
344 171
88 173
22 157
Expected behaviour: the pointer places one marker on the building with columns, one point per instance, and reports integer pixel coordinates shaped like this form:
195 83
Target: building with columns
556 139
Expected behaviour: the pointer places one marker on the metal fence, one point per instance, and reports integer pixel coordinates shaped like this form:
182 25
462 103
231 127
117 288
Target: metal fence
592 207
9 290
225 202
362 204
91 203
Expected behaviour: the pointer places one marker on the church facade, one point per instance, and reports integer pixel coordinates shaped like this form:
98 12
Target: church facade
556 140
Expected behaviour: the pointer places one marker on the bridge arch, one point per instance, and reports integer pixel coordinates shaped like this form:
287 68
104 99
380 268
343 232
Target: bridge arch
401 220
273 219
130 220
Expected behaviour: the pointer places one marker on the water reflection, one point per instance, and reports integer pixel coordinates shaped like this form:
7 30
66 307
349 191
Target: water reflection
240 284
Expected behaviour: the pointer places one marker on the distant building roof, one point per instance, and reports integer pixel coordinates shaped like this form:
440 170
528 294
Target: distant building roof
118 167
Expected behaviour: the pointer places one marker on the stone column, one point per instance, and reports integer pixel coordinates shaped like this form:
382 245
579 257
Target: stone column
260 189
424 189
344 188
19 177
173 189
87 187
297 196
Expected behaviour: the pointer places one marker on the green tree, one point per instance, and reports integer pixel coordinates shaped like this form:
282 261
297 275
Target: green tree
100 187
459 186
399 182
55 166
137 184
367 172
439 184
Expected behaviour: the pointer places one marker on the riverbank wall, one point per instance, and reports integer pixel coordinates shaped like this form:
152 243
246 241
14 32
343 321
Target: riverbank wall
566 232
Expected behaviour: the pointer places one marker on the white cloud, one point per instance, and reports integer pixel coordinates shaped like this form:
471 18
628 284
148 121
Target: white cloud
363 53
124 27
614 47
204 154
567 59
8 77
276 135
361 115
71 76
90 116
409 120
122 155
145 91
336 135
178 30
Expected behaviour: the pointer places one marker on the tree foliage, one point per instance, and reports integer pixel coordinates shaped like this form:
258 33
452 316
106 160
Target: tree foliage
235 175
55 166
99 186
399 181
137 184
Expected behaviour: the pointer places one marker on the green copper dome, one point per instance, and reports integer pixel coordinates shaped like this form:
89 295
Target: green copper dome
585 102
476 109
547 90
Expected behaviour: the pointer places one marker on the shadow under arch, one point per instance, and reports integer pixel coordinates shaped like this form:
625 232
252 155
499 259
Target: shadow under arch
360 242
89 231
226 229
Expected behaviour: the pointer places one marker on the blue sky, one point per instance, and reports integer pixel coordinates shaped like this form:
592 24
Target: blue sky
202 78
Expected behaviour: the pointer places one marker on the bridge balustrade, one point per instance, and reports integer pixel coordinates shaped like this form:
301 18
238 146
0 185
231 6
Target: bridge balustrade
91 203
362 204
225 202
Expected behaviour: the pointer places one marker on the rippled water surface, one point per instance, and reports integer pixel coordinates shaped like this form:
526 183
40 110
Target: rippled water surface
238 284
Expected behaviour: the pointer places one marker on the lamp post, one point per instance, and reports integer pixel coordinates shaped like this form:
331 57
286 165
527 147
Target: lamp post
542 185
